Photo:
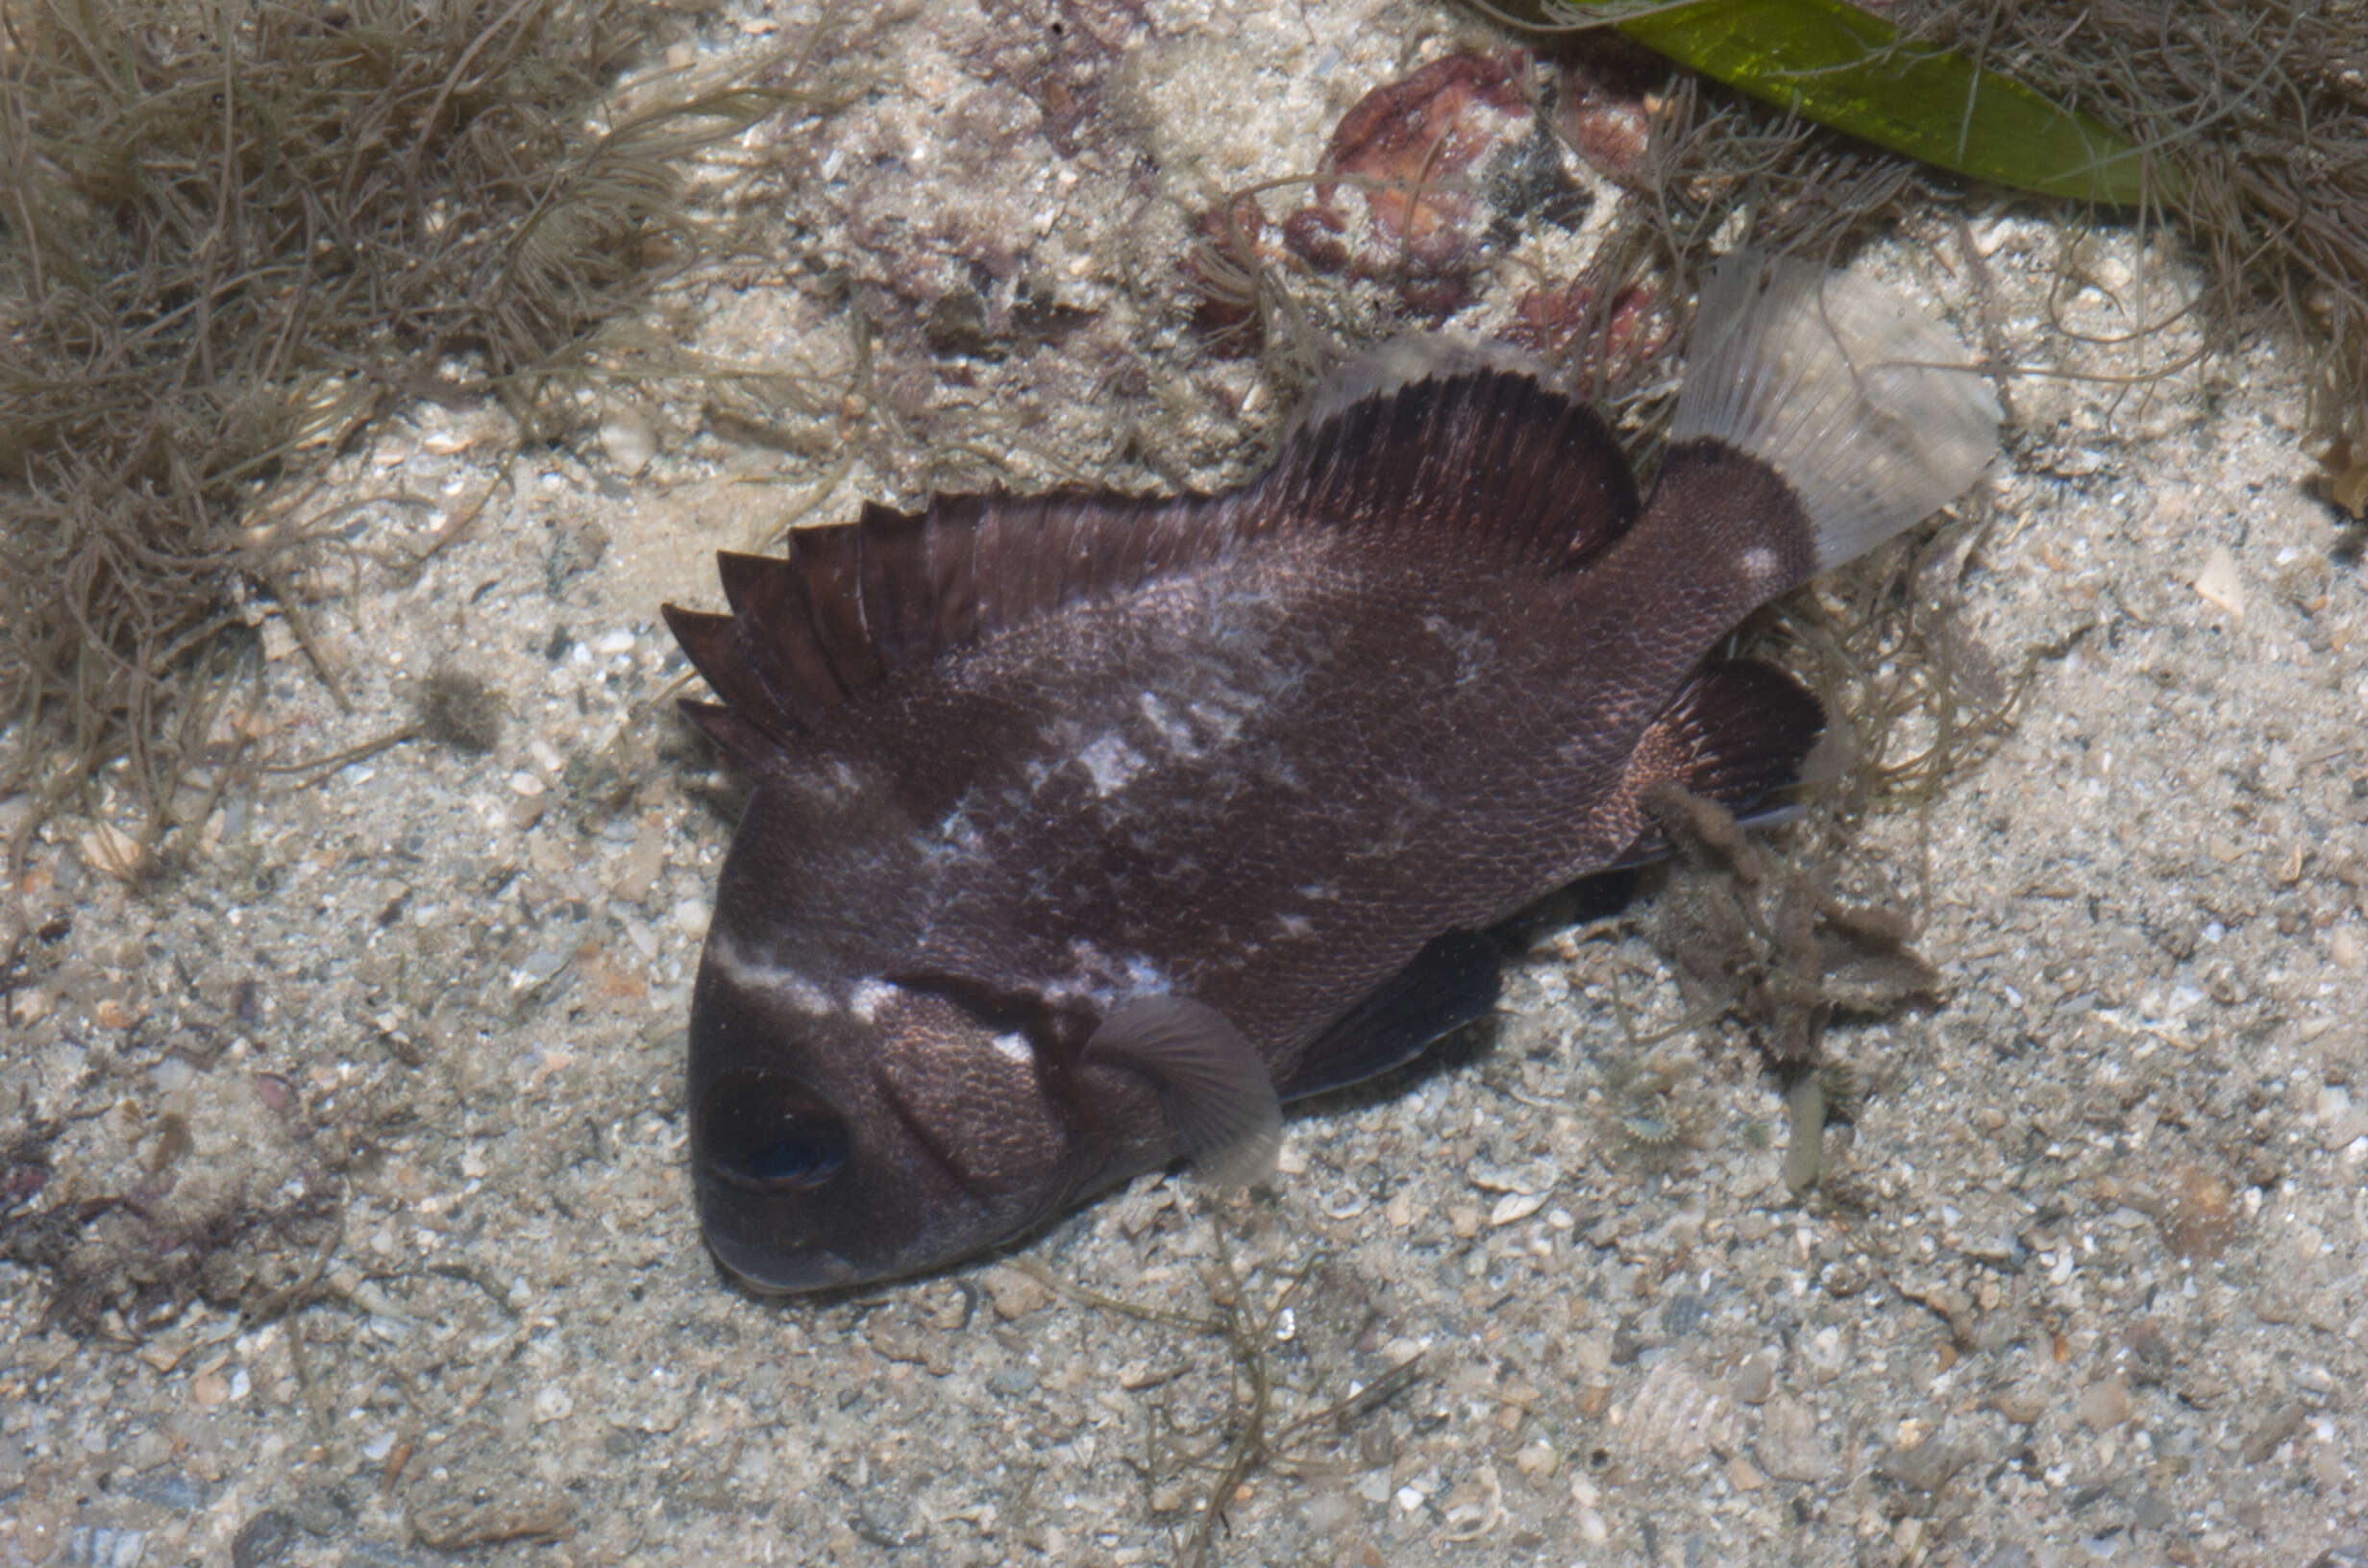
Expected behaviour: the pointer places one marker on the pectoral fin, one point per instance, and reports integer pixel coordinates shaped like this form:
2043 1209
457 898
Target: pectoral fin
1213 1087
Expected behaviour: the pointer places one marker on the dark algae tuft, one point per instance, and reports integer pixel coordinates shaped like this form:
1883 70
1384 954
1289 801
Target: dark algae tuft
460 710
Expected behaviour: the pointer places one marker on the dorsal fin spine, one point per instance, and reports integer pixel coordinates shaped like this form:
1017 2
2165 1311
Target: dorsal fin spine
1481 461
777 642
830 561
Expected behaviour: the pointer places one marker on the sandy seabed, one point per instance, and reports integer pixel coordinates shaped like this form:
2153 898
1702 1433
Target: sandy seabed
2088 1285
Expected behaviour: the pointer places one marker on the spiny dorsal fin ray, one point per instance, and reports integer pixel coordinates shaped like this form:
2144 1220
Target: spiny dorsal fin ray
776 637
831 562
1474 463
713 642
728 729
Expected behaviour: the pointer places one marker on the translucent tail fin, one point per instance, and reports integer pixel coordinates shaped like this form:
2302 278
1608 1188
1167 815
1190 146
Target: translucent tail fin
1870 409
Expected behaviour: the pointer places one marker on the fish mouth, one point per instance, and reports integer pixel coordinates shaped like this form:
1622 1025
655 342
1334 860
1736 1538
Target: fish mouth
763 1261
770 1273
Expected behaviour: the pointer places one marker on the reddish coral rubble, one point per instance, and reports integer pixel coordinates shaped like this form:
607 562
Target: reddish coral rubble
1416 152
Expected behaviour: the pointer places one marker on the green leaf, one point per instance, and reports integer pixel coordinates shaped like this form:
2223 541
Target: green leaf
1829 61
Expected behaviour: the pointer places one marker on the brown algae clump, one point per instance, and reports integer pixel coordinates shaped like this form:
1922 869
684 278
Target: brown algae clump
232 245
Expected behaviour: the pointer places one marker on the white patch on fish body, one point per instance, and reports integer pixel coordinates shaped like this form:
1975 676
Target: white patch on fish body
1014 1048
1224 721
1474 650
1107 978
802 995
1296 926
955 839
1174 732
1110 762
829 787
869 997
1759 563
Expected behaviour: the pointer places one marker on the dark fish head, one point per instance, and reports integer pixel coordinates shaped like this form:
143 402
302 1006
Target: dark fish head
846 1135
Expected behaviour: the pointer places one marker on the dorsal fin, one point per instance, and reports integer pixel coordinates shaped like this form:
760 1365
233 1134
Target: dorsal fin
1478 463
1484 461
1402 361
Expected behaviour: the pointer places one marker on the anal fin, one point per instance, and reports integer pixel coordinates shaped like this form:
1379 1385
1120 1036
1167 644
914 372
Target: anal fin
1452 981
1737 732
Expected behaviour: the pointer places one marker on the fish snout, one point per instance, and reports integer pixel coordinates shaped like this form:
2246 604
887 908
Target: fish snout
766 1147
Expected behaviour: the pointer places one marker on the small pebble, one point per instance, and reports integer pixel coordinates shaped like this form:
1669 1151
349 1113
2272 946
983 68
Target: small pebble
1755 1380
166 1352
1789 1447
2221 583
1011 1382
1513 1205
102 1546
1682 1314
1014 1292
2105 1403
627 438
166 1489
1347 1203
1536 1177
264 1539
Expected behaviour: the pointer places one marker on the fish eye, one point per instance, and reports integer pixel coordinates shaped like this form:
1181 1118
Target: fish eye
769 1134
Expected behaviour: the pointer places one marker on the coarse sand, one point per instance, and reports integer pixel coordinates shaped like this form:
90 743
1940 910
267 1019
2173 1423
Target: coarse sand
403 1044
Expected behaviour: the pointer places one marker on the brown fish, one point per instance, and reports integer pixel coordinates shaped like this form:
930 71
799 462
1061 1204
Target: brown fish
1088 830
